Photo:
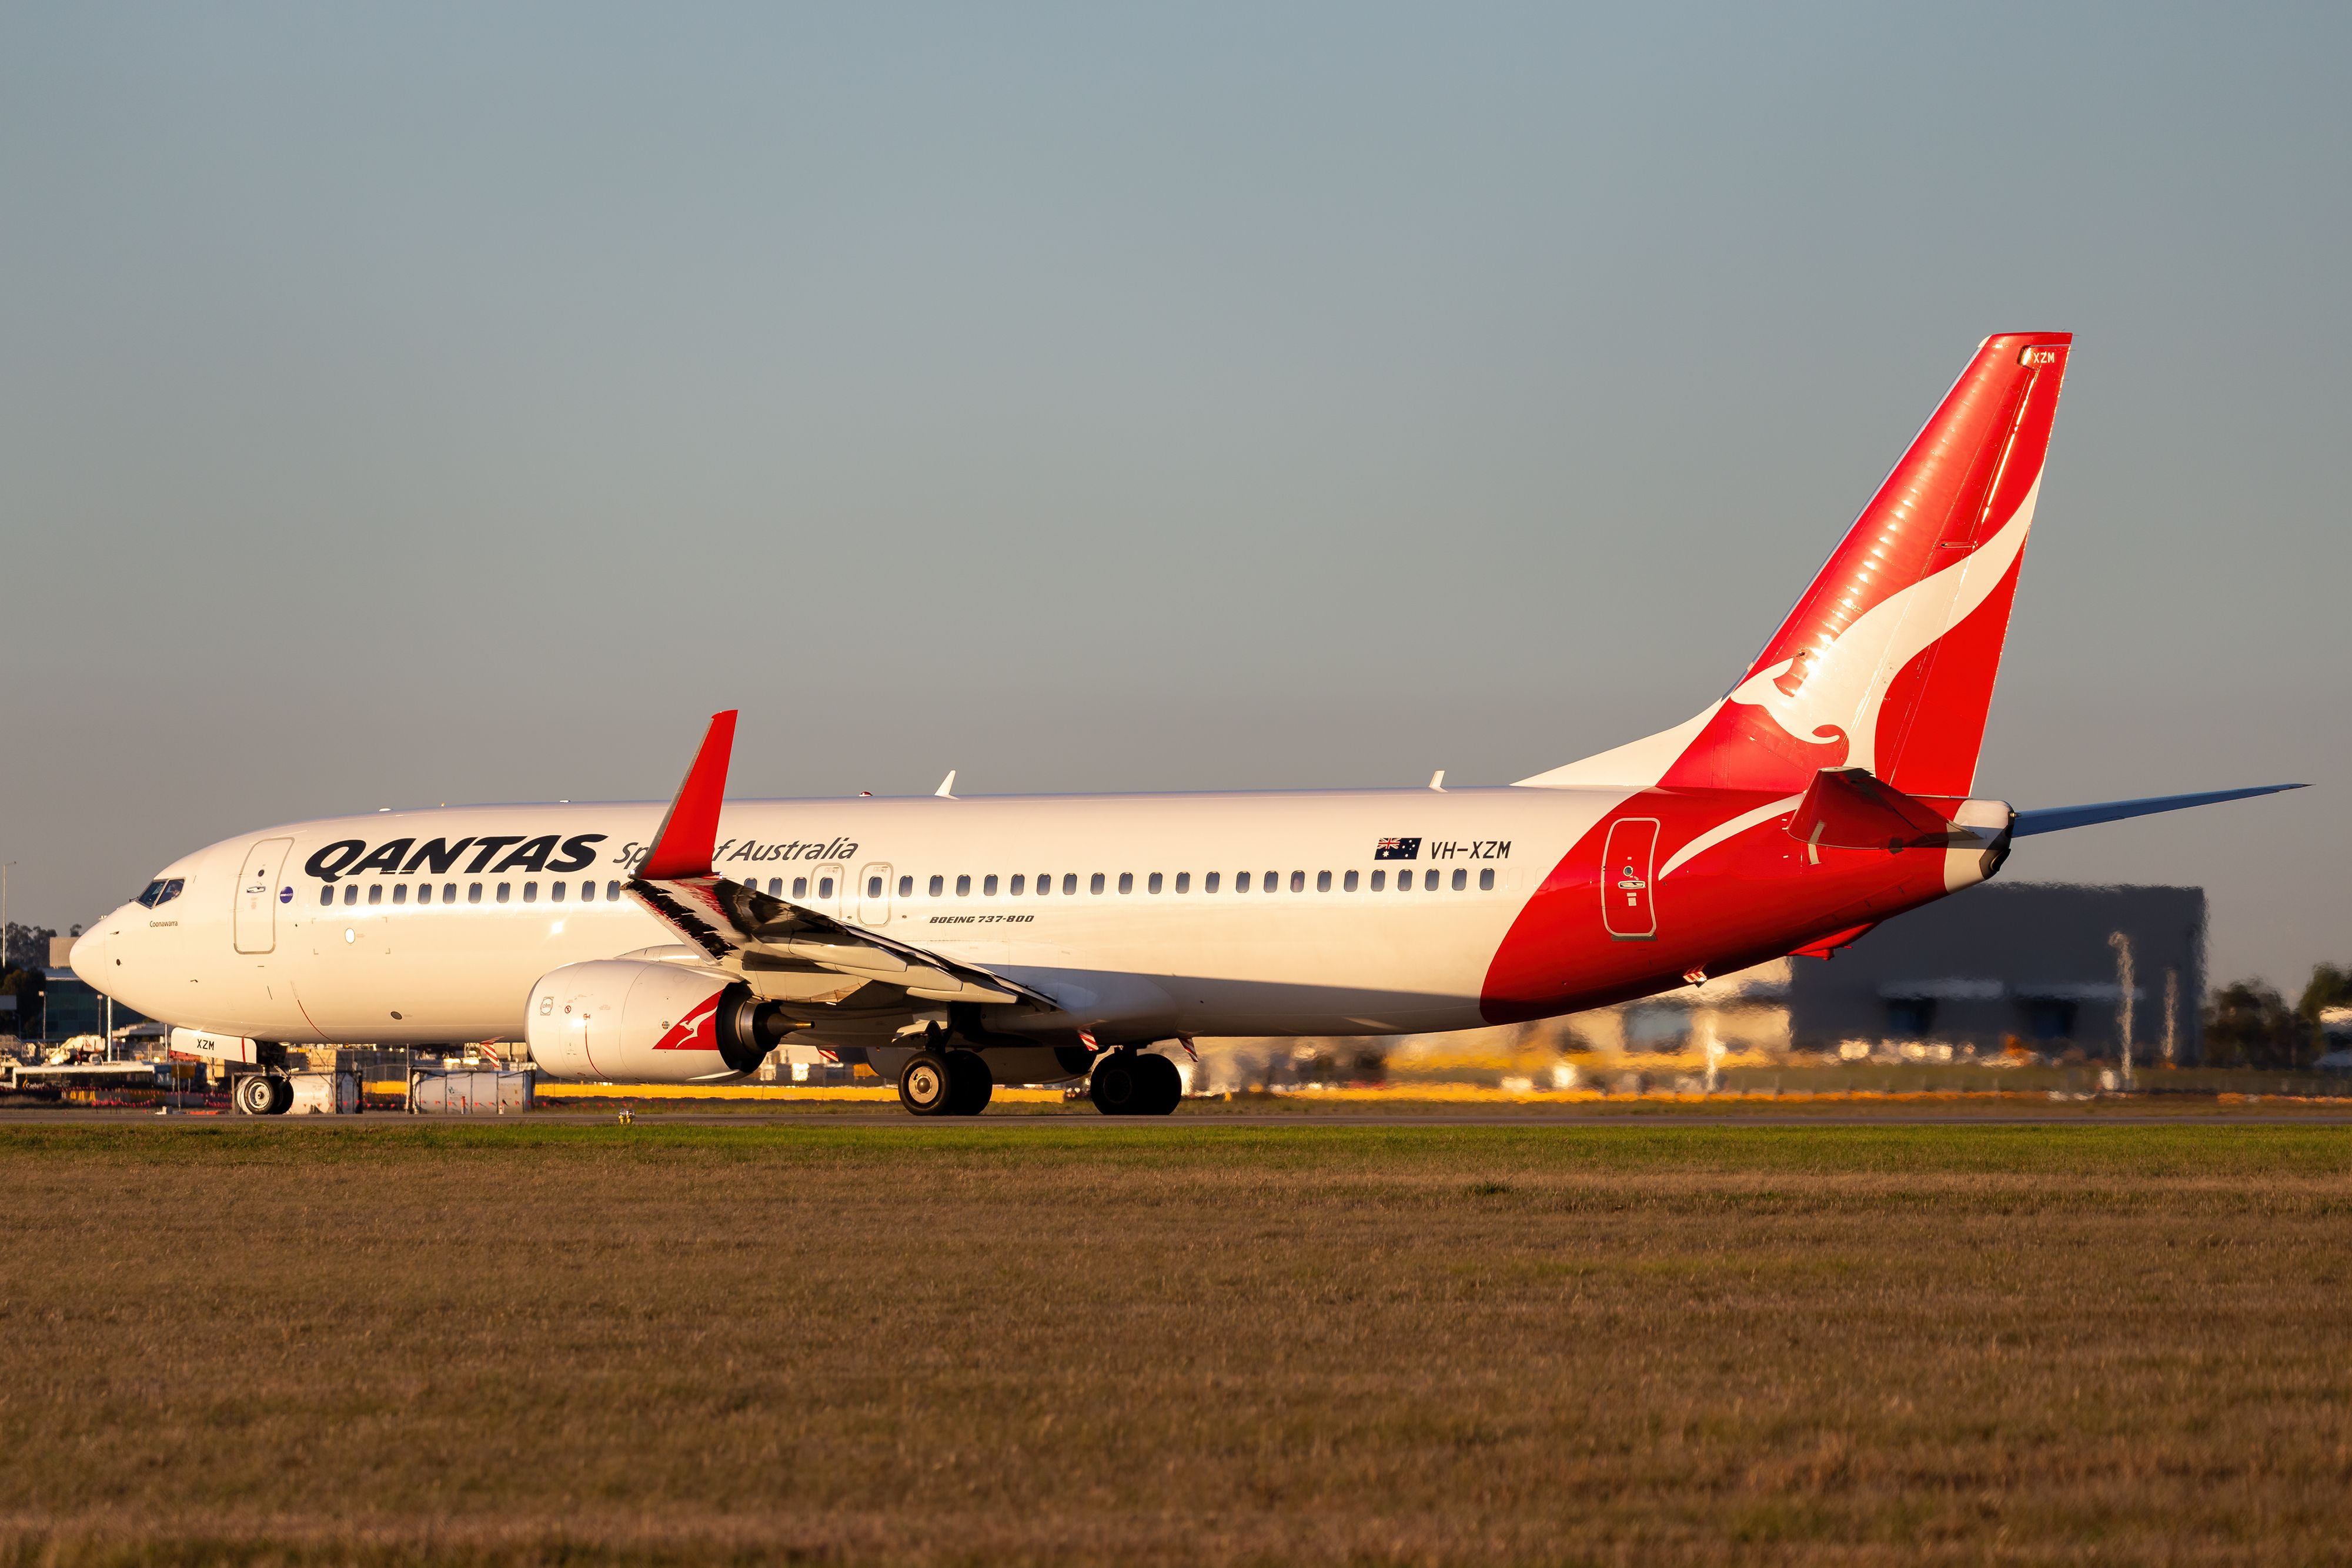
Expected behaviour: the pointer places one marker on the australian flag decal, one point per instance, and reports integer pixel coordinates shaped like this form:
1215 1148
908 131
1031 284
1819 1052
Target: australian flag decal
1397 850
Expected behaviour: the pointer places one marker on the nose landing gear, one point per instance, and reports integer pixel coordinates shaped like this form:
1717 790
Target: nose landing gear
263 1094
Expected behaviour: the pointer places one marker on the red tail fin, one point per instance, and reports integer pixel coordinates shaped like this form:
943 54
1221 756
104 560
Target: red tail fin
1887 662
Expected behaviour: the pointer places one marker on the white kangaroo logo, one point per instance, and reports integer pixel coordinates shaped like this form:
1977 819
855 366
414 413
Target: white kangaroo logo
1847 681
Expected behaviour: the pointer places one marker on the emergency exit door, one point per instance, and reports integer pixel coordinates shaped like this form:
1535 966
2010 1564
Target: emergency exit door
873 893
257 896
1627 912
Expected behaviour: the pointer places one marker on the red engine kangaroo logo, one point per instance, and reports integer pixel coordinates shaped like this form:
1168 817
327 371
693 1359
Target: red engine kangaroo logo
697 1030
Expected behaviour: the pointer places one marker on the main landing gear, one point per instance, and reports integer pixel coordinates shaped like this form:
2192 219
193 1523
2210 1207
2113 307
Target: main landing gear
939 1082
1133 1083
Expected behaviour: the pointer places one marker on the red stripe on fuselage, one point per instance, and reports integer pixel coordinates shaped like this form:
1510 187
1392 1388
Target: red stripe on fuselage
1757 894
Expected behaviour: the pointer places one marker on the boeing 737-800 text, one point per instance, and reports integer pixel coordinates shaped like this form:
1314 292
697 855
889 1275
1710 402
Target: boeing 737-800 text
955 944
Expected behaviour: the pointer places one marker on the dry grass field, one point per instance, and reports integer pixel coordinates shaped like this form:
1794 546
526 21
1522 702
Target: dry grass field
1040 1341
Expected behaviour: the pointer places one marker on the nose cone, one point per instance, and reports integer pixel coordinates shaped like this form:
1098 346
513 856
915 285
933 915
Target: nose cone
89 958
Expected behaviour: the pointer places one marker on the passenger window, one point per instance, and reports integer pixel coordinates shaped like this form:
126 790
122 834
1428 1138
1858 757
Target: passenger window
1322 881
1461 879
905 887
1183 882
473 893
1298 882
1349 884
506 890
872 887
1019 883
1209 883
375 893
1272 882
612 891
424 892
351 892
824 887
800 887
1127 881
1380 881
987 885
531 893
400 892
963 886
1045 882
775 887
555 894
1240 881
1070 884
1095 883
1404 881
938 886
1429 879
587 893
1486 879
327 894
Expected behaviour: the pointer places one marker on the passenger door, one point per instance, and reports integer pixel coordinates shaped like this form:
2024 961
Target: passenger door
1627 913
257 896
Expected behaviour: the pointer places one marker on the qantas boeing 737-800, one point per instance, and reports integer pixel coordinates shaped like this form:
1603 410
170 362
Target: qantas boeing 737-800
955 944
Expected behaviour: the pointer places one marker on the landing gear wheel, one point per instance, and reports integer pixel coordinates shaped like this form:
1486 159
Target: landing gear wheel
925 1086
255 1096
281 1095
1162 1085
970 1083
1116 1086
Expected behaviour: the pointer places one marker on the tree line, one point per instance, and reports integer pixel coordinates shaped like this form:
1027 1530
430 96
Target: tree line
2248 1024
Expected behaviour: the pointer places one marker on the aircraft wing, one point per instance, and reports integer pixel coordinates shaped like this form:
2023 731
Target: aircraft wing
733 922
730 920
2057 818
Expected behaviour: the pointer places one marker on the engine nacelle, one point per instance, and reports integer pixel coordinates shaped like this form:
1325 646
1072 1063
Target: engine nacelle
622 1021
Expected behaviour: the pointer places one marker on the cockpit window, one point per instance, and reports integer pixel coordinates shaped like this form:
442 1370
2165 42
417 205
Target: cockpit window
162 892
154 891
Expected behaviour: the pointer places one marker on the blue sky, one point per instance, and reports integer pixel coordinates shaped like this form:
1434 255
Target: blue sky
405 403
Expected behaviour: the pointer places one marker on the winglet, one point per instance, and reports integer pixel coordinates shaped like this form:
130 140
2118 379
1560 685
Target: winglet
690 828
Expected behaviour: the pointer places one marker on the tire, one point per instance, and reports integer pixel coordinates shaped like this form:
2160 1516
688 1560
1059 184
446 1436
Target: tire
1163 1085
254 1096
281 1095
1116 1086
927 1085
970 1083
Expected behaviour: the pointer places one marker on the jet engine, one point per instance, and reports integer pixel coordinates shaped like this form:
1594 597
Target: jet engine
623 1020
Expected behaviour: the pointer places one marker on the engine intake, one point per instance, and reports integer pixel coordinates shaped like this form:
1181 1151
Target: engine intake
626 1020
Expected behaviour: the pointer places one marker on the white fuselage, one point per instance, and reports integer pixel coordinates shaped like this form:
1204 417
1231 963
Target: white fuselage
1235 913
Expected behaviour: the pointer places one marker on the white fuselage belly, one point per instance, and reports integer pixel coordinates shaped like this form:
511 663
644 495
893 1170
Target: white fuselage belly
1298 959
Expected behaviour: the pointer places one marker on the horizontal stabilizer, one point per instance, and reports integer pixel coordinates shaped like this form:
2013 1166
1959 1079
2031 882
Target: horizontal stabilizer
1847 809
2057 818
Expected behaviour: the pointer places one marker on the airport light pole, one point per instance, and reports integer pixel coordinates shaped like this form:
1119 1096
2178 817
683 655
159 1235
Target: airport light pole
19 1020
2124 985
2171 1011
